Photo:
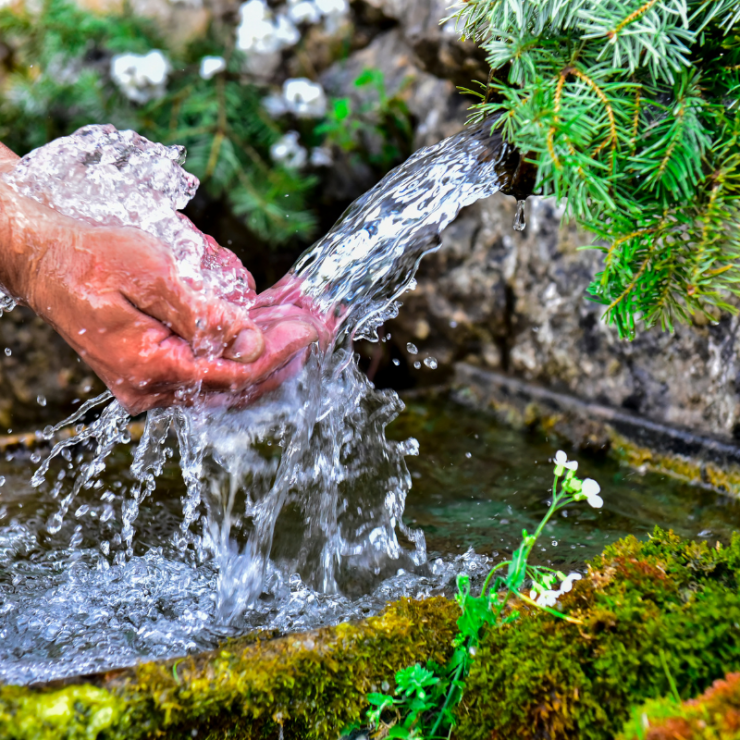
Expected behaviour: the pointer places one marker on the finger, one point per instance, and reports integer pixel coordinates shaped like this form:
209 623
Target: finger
283 340
153 284
170 365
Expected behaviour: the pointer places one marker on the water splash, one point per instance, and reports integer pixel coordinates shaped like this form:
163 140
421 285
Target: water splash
520 220
304 483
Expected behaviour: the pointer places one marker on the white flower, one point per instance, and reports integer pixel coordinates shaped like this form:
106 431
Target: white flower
548 598
300 96
321 157
210 66
140 77
591 490
304 11
334 12
304 98
572 465
286 32
260 33
288 151
567 584
560 458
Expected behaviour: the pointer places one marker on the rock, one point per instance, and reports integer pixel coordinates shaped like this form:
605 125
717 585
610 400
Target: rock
517 302
437 45
40 375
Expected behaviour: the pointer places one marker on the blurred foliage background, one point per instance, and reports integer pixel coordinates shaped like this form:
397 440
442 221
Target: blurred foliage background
260 139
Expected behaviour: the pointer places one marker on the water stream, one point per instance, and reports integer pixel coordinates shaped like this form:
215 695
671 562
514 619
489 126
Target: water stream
292 510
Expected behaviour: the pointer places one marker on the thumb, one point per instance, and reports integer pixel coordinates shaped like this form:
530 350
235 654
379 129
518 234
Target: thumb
212 326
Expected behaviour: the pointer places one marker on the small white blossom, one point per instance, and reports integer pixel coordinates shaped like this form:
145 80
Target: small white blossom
300 96
286 32
334 12
591 491
567 584
259 32
288 151
548 598
572 465
304 11
210 66
140 77
304 98
560 458
321 157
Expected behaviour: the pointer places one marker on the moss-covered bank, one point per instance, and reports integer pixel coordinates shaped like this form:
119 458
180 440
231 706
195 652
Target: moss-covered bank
715 715
649 611
311 684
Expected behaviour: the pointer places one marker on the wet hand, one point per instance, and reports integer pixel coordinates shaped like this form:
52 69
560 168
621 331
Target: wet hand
115 296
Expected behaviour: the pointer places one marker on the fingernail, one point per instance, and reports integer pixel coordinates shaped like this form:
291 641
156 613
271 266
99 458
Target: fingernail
247 347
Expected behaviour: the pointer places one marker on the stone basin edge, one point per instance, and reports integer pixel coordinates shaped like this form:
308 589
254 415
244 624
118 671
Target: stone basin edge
646 445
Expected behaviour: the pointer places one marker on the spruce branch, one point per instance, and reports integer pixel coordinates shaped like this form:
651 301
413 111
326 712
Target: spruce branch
630 111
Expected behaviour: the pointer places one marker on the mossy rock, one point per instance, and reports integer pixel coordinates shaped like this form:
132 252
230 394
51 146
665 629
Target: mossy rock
649 610
312 685
715 715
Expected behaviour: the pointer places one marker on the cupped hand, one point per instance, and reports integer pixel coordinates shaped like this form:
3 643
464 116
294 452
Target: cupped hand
116 297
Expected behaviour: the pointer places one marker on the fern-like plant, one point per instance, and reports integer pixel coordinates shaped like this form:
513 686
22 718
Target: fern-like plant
630 110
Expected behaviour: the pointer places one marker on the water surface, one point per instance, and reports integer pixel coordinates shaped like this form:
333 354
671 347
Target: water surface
67 608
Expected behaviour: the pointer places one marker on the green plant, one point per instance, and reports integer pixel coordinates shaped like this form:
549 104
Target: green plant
657 618
630 110
378 130
423 705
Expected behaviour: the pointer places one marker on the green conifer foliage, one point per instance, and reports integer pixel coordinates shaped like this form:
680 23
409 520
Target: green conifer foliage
630 110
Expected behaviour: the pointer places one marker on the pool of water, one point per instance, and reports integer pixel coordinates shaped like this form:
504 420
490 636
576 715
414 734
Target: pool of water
478 484
67 606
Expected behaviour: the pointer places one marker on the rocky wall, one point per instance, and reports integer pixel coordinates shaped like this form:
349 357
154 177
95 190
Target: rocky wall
517 302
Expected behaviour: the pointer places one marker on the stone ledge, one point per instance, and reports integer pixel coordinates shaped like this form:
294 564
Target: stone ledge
710 462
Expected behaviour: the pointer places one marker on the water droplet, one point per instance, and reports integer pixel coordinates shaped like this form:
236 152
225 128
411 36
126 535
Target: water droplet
8 352
82 511
417 365
396 362
520 222
554 543
468 455
431 363
2 480
412 349
41 400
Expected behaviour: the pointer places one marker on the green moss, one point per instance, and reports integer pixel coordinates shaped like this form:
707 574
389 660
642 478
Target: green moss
714 715
75 711
312 684
648 610
644 602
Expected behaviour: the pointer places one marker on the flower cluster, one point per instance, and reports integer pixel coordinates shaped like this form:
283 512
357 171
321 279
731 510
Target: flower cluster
140 77
300 97
263 33
582 490
544 595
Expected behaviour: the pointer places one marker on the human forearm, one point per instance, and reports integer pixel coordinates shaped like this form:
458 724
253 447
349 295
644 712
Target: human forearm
9 248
